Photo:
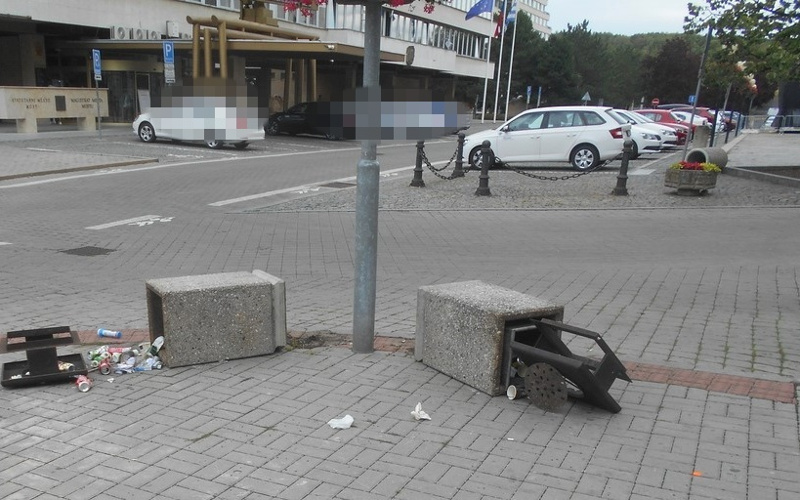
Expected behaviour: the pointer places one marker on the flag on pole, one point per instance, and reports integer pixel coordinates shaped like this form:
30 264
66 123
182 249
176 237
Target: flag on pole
498 30
512 14
479 8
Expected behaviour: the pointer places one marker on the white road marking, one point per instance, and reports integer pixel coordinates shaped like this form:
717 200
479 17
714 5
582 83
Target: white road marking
643 171
306 188
144 220
4 243
182 164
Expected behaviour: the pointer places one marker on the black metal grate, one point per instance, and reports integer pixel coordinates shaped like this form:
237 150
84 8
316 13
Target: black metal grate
88 251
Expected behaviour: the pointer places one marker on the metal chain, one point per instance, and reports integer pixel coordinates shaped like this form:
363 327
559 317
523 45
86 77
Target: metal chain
435 170
552 177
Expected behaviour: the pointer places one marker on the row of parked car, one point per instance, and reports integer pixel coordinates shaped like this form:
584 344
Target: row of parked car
584 136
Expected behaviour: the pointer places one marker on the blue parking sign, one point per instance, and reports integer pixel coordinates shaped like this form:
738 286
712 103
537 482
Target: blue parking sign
169 53
97 65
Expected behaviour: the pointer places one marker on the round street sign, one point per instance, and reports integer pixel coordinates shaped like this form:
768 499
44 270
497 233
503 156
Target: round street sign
655 101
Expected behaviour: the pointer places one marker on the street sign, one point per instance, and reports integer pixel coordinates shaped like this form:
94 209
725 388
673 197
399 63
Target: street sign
169 52
530 91
169 62
691 99
97 65
586 98
655 101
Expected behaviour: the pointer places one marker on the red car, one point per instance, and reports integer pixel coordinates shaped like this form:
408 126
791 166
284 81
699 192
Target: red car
665 117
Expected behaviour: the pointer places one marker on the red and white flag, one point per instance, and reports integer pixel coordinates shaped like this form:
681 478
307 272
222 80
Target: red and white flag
498 30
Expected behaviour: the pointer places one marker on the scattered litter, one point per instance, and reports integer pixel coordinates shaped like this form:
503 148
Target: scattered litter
510 439
64 366
111 380
697 473
120 360
419 414
341 423
114 334
84 383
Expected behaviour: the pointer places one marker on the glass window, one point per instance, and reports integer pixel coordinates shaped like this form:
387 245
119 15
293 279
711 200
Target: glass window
591 118
560 119
527 121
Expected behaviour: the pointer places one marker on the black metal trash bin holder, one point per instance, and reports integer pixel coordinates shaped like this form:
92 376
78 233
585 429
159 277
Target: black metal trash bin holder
42 364
539 341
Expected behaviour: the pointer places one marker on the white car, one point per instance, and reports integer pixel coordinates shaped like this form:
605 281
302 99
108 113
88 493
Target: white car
669 139
643 138
584 136
685 115
212 126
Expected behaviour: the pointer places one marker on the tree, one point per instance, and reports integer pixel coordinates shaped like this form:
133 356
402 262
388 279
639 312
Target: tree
765 33
671 75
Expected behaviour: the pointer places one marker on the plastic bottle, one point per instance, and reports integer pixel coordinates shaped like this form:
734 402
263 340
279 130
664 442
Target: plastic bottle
102 332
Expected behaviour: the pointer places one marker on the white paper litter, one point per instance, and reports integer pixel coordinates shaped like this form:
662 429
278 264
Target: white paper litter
419 413
341 423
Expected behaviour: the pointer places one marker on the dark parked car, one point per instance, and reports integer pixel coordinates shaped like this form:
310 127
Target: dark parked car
305 118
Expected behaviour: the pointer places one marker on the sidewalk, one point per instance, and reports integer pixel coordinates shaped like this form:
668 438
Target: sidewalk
257 428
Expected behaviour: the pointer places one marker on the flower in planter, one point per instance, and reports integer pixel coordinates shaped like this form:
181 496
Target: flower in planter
686 165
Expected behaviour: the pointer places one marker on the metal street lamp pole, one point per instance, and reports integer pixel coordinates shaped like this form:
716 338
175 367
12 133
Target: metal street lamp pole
697 90
367 178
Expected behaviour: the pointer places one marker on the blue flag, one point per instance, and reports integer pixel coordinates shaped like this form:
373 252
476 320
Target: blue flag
480 7
512 14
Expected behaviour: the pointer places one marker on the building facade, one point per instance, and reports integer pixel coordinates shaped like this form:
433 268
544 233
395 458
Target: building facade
45 43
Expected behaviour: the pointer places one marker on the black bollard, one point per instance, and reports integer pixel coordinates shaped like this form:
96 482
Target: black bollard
487 159
622 178
417 180
459 170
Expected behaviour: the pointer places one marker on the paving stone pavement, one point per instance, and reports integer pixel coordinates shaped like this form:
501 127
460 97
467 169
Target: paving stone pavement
257 428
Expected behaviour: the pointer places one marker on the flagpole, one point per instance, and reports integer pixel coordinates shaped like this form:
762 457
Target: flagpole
511 65
499 64
486 76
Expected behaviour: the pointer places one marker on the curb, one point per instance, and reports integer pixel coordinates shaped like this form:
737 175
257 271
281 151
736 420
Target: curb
79 169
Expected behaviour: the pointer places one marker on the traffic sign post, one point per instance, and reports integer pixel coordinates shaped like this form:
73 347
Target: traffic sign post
97 77
97 65
169 62
528 100
655 102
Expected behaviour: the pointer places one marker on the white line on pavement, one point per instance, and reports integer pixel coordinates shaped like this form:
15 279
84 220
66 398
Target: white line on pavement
305 188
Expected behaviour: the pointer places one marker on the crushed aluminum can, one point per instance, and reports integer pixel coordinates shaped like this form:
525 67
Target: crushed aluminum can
104 367
84 383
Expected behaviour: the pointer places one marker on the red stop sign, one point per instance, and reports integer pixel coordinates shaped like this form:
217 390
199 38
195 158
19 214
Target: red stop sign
655 101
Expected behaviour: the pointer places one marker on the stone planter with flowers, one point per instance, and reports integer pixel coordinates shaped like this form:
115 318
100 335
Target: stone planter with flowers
691 178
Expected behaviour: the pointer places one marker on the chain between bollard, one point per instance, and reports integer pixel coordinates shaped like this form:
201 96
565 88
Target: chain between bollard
435 170
550 177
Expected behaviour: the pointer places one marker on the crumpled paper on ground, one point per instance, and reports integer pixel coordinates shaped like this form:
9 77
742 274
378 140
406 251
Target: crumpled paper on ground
341 423
419 413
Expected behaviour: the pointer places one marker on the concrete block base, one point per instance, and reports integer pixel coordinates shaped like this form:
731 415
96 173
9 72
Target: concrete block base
460 329
214 317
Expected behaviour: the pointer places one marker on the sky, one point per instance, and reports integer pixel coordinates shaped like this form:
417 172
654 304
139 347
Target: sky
621 17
